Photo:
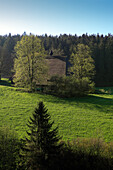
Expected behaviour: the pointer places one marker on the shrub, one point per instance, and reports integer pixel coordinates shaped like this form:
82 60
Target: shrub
9 149
91 154
70 87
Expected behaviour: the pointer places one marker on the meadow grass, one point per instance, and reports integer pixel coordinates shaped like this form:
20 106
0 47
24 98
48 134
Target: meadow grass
85 117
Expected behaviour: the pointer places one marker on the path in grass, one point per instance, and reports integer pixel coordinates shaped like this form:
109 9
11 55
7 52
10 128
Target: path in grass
90 116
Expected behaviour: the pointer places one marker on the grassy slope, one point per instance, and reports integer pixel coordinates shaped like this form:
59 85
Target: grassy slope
90 116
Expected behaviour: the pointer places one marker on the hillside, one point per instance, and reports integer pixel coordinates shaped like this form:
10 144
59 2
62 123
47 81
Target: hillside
89 116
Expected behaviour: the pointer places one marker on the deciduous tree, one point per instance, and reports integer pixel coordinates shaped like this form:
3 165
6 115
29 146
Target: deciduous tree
82 64
30 67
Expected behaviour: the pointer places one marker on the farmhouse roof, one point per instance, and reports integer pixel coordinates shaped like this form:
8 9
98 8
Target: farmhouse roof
63 58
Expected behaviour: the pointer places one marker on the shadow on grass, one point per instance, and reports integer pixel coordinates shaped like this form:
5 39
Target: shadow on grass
5 83
100 102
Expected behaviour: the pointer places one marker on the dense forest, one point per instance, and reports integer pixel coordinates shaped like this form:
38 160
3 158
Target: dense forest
101 47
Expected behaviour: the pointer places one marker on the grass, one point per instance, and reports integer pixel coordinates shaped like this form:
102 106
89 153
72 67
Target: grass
86 117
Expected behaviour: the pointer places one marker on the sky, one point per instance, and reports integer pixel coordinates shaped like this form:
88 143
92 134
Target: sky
55 17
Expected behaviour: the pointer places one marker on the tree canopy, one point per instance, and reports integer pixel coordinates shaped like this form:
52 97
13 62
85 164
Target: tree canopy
29 66
82 64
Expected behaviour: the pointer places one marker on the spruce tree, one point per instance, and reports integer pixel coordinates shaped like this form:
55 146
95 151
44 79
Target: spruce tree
42 147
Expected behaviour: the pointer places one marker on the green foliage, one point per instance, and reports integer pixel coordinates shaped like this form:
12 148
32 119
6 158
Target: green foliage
30 67
82 153
79 83
88 154
7 54
9 149
41 146
101 51
70 86
82 64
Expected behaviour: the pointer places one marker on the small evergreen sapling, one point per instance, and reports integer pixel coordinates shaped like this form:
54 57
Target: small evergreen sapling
42 147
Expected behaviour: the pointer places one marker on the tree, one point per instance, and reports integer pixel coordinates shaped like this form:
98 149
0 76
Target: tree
7 55
42 144
30 67
82 64
1 62
4 62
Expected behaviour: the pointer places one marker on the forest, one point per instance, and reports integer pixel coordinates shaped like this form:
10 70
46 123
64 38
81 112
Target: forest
101 47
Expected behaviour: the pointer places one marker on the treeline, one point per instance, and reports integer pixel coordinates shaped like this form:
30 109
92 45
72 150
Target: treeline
101 47
7 54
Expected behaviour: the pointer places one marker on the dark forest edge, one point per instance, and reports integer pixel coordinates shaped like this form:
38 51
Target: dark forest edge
34 152
101 47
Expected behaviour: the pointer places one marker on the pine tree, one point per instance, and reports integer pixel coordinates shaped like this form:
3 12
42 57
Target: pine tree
42 146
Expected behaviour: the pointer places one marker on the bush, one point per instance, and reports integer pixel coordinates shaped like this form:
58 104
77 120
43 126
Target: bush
87 154
91 154
70 87
9 149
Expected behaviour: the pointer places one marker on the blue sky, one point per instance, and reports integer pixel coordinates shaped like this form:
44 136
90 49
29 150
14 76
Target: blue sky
56 17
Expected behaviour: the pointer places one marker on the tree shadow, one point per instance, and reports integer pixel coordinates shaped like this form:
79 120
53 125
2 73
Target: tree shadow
102 103
5 83
99 100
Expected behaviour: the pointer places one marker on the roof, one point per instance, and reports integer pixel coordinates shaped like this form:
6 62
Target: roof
63 58
57 65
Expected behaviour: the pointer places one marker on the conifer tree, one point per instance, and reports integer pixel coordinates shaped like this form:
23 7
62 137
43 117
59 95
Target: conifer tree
42 146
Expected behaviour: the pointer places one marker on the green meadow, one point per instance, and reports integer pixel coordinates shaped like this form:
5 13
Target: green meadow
85 117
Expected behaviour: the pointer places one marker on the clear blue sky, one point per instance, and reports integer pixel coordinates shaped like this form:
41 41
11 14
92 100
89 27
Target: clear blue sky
56 17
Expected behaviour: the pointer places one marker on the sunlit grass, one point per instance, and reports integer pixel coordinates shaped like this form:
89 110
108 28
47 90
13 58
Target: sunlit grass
90 116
